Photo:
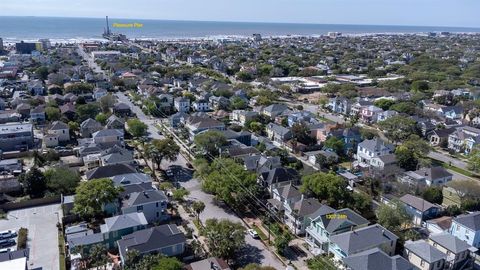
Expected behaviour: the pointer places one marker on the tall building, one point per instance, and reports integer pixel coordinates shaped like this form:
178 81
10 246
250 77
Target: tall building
25 48
45 43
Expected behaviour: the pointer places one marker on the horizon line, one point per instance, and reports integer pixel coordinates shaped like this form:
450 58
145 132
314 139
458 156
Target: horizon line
251 22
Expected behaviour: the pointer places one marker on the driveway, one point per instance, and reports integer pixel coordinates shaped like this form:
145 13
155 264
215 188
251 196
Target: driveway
41 223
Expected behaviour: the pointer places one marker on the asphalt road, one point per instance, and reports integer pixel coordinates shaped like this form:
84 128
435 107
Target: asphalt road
449 160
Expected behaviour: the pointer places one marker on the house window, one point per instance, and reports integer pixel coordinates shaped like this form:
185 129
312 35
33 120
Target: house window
156 204
158 214
422 263
140 208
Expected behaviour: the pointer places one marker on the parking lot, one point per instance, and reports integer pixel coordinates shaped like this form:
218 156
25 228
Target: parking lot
41 223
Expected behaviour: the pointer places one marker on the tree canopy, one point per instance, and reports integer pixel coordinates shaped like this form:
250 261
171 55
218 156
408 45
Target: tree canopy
393 217
137 128
327 187
412 153
224 238
158 150
210 141
398 128
34 183
62 180
93 195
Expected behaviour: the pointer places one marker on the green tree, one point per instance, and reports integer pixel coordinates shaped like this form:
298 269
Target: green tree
137 128
301 132
474 160
327 187
255 126
79 88
224 238
254 266
107 102
384 103
53 114
238 103
210 142
404 107
33 182
433 195
101 118
281 242
62 180
168 263
98 255
420 86
393 217
73 126
93 195
398 128
244 76
198 207
412 153
85 111
336 144
162 149
179 194
42 72
230 182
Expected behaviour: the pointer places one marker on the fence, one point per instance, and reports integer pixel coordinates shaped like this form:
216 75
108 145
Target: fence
30 203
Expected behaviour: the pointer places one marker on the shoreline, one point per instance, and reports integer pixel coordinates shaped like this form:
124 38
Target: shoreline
13 40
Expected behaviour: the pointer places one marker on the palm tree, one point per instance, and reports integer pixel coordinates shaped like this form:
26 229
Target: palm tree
198 207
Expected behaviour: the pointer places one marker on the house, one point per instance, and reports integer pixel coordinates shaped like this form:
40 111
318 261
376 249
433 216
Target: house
369 114
109 171
11 165
122 109
23 109
339 105
242 116
114 122
261 163
99 93
274 110
36 88
433 176
109 137
439 225
358 240
61 130
350 137
439 137
182 104
116 155
464 139
456 250
424 256
382 116
278 134
357 107
68 110
277 177
197 124
314 157
211 263
201 105
16 136
453 112
165 239
165 102
297 215
370 149
419 209
124 180
37 115
330 223
467 228
376 259
178 118
152 203
301 116
117 226
88 127
219 103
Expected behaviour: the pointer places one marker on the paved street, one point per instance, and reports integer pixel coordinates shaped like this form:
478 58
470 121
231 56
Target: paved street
91 63
449 160
41 223
255 251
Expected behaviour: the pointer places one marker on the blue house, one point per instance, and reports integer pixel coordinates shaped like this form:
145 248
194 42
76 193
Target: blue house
118 226
350 136
419 209
467 228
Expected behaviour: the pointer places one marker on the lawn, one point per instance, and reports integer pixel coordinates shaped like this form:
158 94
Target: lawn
61 247
321 263
260 233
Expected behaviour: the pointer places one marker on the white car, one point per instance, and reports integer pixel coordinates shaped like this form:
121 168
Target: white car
253 233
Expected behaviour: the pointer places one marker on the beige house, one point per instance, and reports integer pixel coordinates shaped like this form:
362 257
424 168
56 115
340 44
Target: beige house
456 250
424 256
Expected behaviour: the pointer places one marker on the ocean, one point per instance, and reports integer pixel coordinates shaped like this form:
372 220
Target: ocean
14 29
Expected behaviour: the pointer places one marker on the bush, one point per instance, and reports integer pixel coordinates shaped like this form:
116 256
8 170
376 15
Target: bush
22 238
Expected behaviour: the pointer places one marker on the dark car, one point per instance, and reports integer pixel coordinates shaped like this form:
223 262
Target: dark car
7 243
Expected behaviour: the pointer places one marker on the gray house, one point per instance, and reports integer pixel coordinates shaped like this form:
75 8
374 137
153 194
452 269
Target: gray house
15 136
376 259
152 203
88 127
164 239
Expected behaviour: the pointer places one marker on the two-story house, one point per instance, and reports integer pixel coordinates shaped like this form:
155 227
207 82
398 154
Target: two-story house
278 134
201 105
464 139
369 114
242 116
419 209
376 259
424 256
339 105
467 228
152 203
457 251
330 223
109 137
117 226
88 127
182 104
368 150
358 240
274 110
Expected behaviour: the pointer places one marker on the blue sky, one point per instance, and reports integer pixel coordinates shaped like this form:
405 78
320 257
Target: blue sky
376 12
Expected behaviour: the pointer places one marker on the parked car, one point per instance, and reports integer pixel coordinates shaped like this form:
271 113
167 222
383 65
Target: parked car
5 250
253 233
7 243
8 234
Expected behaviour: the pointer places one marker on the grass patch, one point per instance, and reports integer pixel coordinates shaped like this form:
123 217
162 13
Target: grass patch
199 225
320 263
260 233
455 169
61 248
22 238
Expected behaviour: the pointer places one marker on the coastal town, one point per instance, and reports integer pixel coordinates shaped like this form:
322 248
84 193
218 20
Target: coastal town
355 152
